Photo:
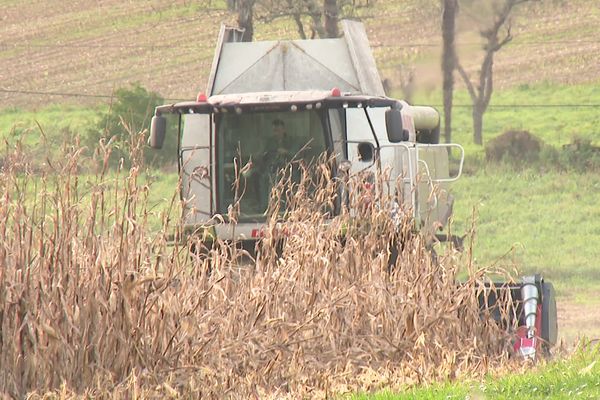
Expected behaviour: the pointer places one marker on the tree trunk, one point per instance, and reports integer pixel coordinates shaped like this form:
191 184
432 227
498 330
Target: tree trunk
448 62
478 111
231 5
330 11
299 26
315 13
448 94
245 18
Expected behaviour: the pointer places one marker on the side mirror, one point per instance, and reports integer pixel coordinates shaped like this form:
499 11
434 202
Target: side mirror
158 128
393 124
366 151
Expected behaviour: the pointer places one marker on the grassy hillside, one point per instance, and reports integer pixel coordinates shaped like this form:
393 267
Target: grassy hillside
541 222
534 108
91 48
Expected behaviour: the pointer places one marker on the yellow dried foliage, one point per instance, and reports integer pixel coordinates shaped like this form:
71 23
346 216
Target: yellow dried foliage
93 303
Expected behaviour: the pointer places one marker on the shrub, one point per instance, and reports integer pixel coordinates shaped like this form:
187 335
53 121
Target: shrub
519 147
130 113
514 146
580 155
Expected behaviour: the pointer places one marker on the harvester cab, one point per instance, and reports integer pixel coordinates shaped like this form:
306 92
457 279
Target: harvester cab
264 131
271 102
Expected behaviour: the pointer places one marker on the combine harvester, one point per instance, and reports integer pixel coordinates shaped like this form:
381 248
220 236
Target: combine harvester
309 97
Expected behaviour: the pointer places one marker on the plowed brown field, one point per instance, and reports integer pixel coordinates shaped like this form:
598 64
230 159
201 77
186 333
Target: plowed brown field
91 47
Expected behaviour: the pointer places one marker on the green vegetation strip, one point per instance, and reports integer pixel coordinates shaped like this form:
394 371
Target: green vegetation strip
55 120
575 377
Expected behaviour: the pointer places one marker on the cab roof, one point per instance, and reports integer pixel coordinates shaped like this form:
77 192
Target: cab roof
276 101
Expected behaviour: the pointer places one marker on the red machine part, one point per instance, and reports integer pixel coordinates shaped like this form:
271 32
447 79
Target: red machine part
525 345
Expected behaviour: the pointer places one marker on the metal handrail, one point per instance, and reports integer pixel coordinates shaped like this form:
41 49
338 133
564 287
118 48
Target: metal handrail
435 203
447 145
411 174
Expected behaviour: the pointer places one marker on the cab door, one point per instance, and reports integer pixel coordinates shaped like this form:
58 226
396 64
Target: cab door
196 168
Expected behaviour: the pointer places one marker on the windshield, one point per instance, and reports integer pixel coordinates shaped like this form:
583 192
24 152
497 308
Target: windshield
271 141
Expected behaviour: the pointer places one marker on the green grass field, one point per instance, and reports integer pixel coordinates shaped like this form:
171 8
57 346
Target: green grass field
537 219
542 222
54 121
554 125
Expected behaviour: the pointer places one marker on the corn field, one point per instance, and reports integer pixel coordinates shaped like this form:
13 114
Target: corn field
96 302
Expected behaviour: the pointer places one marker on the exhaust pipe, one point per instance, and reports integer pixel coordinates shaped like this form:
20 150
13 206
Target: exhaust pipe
527 342
534 308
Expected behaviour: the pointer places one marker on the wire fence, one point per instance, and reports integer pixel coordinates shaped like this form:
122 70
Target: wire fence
184 98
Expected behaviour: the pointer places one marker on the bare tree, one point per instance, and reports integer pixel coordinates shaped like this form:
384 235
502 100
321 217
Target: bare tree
407 82
482 94
323 15
331 11
315 12
313 18
245 10
450 9
297 17
271 10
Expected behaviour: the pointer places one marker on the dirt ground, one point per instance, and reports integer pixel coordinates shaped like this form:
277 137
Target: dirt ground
578 319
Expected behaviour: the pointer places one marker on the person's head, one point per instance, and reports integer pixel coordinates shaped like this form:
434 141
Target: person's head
278 129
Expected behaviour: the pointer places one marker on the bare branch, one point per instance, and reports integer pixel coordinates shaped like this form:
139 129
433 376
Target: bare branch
506 39
270 17
467 81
